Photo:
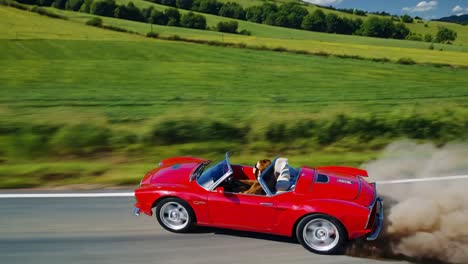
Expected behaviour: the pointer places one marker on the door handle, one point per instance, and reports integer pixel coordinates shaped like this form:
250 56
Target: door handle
266 204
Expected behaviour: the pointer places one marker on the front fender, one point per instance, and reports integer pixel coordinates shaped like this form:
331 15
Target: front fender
353 216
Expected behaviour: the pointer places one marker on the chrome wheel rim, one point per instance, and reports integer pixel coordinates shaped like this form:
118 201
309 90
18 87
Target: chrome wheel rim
174 215
321 234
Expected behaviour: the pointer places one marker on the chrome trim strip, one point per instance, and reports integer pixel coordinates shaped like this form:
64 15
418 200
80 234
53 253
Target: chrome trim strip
379 221
359 189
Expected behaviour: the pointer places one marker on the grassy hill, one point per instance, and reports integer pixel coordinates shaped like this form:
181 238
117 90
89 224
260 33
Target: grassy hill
60 73
269 36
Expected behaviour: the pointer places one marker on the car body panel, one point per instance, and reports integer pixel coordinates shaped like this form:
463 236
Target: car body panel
346 196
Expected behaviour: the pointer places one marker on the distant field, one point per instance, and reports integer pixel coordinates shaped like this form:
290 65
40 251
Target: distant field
63 72
149 78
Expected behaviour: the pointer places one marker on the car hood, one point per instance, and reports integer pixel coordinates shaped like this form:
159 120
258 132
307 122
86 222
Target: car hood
174 170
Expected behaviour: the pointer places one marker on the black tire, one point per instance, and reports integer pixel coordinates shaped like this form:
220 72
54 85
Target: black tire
324 234
175 215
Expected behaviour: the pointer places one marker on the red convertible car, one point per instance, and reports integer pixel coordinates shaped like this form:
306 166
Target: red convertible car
324 207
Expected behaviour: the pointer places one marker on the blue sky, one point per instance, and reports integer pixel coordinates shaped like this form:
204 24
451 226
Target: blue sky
428 9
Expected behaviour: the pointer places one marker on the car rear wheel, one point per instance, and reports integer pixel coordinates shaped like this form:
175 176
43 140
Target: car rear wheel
321 234
175 215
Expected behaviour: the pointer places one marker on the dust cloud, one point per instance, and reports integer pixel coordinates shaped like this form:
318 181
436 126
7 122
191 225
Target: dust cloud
425 222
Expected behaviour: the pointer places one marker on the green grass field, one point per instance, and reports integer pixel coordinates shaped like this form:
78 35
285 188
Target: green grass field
265 35
64 72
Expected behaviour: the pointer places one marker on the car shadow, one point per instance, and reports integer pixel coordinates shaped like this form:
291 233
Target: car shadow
247 234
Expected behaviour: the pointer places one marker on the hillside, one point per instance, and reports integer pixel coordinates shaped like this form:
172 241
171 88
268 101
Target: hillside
463 19
299 40
83 105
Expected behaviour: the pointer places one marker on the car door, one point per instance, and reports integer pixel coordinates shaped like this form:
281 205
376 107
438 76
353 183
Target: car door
241 211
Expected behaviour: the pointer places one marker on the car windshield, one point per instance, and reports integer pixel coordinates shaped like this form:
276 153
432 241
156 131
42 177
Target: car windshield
214 173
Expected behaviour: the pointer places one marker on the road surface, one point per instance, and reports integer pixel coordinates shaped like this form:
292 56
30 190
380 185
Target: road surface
103 230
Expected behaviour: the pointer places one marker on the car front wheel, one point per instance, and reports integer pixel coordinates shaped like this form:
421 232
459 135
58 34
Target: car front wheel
175 215
321 234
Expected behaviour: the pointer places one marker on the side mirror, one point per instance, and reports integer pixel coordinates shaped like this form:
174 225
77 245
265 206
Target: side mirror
220 190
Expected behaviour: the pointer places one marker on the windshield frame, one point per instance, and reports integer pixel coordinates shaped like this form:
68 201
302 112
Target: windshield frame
213 185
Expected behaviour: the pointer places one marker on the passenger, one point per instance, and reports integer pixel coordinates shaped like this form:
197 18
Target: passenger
282 175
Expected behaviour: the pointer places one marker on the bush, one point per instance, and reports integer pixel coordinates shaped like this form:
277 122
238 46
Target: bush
445 35
81 140
173 17
406 61
227 26
95 22
192 20
176 132
245 32
406 18
152 35
103 8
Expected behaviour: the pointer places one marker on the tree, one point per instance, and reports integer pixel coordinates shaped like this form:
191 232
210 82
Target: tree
377 27
184 4
227 26
103 8
60 4
406 18
192 20
173 17
445 35
291 15
332 22
207 6
169 3
233 10
158 17
129 12
315 21
254 14
86 6
428 38
74 5
146 13
400 31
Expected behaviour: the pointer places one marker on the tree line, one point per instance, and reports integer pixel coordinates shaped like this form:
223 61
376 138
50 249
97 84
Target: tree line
109 8
293 15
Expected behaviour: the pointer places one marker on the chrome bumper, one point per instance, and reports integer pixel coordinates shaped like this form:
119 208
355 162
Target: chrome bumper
136 211
378 222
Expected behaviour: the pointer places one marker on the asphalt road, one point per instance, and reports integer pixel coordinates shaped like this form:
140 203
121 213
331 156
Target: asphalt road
104 230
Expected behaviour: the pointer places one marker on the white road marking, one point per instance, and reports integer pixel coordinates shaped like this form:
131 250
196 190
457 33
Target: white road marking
443 178
64 195
131 194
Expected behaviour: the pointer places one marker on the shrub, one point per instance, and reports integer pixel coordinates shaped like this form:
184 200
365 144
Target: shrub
183 131
445 35
227 26
95 22
83 139
192 20
152 35
245 32
158 17
173 17
103 8
406 18
406 61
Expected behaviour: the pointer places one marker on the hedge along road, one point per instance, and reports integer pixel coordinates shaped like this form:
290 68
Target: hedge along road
104 230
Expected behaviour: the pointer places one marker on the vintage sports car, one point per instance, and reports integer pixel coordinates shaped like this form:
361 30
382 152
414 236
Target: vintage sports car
323 208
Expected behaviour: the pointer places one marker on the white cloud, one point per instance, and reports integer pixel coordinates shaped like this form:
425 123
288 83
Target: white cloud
422 6
324 2
458 10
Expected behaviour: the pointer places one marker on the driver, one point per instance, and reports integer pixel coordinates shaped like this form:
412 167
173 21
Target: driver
281 181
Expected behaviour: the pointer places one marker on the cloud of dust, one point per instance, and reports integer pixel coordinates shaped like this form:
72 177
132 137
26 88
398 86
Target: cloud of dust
425 221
